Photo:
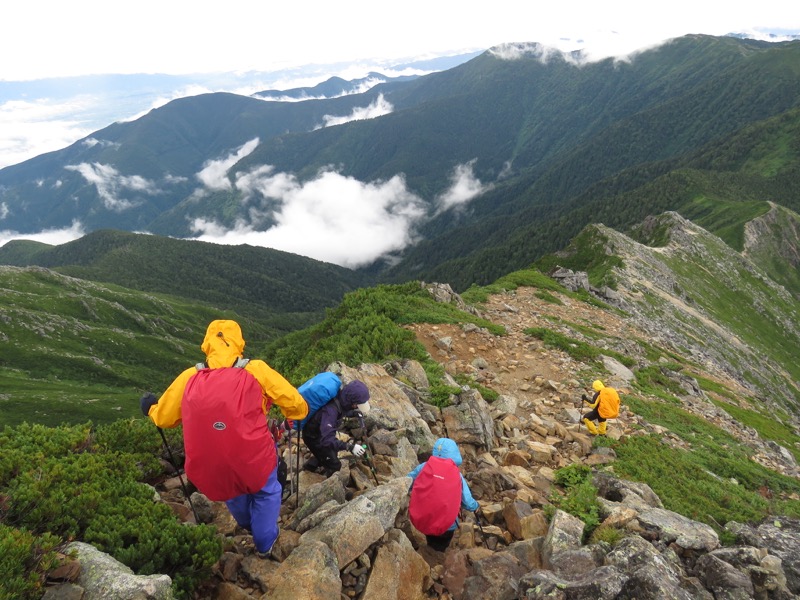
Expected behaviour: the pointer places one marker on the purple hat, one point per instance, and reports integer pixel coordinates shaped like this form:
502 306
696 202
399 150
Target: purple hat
356 394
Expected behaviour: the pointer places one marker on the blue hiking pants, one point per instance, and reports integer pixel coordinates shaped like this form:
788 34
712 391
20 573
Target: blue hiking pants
258 513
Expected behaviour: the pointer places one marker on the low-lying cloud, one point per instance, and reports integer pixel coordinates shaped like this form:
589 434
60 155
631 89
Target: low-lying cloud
54 237
333 218
31 128
464 186
111 184
379 107
214 174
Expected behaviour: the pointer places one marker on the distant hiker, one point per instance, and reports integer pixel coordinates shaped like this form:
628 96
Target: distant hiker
438 493
605 405
230 452
319 432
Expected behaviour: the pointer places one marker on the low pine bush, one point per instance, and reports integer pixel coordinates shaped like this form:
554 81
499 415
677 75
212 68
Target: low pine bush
73 482
24 561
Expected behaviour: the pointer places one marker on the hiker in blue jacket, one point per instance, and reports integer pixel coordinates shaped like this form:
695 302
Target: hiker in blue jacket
447 448
319 433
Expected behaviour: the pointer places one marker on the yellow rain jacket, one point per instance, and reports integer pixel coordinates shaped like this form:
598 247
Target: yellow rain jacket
606 400
223 345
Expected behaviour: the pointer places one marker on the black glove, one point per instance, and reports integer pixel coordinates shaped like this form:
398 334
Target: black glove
584 397
147 401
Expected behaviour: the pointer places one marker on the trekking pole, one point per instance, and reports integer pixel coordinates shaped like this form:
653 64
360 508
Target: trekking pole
289 446
371 464
365 445
483 535
297 469
178 473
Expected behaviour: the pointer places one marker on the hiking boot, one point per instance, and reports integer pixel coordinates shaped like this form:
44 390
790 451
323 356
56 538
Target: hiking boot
590 426
267 554
601 428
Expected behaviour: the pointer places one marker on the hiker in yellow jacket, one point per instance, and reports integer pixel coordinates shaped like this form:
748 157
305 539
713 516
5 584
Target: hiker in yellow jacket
235 462
605 405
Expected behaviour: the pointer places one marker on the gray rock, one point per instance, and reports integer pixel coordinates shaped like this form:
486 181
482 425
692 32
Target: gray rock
105 578
603 583
672 527
469 421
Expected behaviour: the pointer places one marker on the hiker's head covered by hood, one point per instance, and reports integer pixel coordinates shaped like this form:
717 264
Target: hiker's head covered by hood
223 343
447 448
355 396
597 385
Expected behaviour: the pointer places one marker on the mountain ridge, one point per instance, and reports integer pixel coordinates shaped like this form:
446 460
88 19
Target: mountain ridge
548 138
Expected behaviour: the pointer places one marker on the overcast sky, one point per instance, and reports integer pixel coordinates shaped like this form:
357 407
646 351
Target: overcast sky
49 38
43 39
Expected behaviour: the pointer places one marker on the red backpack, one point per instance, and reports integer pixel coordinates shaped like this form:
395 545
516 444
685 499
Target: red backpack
229 449
435 496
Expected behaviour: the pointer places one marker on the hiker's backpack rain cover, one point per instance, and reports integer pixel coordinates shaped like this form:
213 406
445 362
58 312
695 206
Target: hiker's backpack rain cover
435 496
609 403
317 392
229 449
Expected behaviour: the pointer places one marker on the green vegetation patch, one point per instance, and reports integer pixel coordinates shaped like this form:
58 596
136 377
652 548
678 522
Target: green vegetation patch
367 328
715 482
575 348
524 278
579 497
75 482
770 427
587 252
724 218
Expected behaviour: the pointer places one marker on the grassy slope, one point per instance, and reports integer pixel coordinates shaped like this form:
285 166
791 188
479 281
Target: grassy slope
74 350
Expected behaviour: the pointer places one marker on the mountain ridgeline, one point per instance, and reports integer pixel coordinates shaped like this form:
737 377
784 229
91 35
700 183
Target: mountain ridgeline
556 142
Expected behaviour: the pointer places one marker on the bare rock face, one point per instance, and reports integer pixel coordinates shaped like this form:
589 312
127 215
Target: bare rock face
399 572
311 571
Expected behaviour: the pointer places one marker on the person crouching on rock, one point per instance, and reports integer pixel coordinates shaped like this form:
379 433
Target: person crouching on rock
319 434
605 405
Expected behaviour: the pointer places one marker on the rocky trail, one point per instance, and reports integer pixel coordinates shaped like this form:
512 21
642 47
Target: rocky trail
347 538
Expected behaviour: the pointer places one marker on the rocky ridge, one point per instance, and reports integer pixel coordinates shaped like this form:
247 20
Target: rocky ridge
349 536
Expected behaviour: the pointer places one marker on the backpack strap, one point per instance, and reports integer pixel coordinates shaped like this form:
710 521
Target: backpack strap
239 363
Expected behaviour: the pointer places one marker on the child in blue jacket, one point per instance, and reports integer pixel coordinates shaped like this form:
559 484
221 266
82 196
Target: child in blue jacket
447 448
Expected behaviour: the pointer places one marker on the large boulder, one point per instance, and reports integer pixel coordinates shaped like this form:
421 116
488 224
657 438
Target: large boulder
102 577
362 522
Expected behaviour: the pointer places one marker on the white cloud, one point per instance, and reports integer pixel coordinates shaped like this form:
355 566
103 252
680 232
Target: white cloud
4 212
464 187
54 237
332 218
110 184
33 128
91 142
214 174
378 108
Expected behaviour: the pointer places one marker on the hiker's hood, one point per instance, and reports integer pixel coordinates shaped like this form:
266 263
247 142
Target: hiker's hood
597 385
356 395
447 448
223 343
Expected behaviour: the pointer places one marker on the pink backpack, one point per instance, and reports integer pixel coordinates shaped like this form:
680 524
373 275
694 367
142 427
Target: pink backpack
435 496
229 449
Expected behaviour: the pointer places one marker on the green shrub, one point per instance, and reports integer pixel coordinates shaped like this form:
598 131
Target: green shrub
572 475
441 394
91 490
608 534
580 496
575 348
25 559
